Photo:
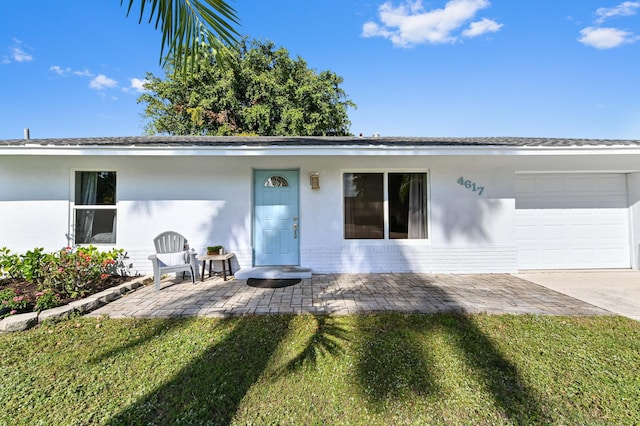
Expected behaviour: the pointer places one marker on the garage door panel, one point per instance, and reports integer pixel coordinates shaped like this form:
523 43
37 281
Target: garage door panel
586 219
559 203
614 204
550 185
579 185
529 233
582 258
583 232
551 254
566 221
612 184
553 233
526 185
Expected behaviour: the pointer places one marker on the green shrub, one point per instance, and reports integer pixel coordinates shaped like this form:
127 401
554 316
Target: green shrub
65 274
32 264
46 299
28 266
10 264
74 273
68 273
13 302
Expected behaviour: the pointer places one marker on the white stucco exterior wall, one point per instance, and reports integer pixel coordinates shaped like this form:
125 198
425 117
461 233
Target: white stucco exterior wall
209 200
467 232
34 203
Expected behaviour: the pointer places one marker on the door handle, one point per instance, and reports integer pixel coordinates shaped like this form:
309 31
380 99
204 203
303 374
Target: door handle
295 230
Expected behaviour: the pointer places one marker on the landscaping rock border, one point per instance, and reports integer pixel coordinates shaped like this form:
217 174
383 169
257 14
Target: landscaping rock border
21 322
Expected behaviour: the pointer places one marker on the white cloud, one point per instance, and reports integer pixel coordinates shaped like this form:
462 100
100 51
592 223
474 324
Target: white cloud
136 85
63 72
59 70
410 24
18 53
101 82
84 73
605 38
482 27
371 29
627 8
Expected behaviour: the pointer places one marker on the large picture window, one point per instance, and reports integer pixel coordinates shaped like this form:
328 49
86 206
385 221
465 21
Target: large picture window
94 209
385 205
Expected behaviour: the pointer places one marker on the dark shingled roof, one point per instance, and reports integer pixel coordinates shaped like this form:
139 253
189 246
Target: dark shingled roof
316 141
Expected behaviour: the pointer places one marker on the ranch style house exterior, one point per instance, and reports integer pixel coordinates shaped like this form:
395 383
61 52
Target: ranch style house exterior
332 204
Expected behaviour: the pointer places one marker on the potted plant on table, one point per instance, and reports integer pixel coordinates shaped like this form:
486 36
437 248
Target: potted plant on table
214 249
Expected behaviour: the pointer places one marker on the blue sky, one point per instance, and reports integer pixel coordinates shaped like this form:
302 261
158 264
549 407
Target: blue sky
543 68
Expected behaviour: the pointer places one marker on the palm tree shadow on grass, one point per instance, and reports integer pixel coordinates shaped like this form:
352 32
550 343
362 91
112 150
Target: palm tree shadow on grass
325 339
141 333
210 388
391 363
395 364
495 372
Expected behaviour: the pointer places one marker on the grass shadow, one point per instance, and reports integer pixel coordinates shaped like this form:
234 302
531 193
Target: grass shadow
209 389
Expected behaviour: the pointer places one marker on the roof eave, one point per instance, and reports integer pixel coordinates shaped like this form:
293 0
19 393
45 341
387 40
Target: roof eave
307 150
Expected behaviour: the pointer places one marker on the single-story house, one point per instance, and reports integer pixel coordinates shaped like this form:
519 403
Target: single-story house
332 204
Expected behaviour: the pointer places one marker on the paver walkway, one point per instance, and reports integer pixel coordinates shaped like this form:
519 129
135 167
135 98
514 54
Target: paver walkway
350 293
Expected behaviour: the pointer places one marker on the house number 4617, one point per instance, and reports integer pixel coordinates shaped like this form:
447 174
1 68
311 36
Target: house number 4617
470 185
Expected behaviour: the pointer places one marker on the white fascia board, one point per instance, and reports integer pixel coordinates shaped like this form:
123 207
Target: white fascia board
306 150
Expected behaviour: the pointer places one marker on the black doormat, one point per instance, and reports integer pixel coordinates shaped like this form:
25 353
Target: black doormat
272 282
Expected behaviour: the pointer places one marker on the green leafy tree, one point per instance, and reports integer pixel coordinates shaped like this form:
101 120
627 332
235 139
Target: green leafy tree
190 27
262 91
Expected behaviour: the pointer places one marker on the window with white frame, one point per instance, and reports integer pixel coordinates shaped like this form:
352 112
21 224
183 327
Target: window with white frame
94 207
385 205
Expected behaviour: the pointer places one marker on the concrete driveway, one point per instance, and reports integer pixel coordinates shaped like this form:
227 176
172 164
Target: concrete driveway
617 291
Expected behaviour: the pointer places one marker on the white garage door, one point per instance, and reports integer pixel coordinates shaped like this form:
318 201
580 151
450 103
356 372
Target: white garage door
567 221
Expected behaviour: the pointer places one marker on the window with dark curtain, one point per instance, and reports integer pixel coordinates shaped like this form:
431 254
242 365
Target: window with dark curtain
363 205
407 205
94 222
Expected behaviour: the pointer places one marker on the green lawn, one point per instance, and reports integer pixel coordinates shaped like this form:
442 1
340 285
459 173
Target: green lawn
369 369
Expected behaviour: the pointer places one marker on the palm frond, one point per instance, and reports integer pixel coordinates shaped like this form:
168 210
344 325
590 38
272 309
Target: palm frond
190 26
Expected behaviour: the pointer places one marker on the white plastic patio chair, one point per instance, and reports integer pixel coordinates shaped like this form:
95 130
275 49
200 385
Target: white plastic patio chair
172 255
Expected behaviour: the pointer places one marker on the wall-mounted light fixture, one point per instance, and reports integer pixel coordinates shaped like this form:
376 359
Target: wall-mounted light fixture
314 180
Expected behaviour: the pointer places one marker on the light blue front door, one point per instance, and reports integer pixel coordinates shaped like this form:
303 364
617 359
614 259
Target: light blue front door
276 224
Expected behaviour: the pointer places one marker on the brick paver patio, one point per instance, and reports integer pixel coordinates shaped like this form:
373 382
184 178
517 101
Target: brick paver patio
341 294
